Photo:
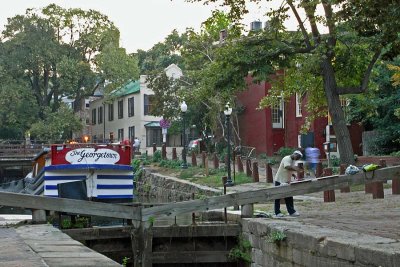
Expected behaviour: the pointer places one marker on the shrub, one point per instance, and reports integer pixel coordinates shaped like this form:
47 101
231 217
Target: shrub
276 236
157 156
284 151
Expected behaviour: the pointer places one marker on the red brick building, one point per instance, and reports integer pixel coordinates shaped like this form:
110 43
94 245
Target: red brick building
270 129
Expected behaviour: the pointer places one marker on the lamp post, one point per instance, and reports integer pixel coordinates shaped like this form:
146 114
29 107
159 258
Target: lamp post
184 109
228 112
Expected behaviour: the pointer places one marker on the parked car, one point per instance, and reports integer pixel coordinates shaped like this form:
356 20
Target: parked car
194 144
200 144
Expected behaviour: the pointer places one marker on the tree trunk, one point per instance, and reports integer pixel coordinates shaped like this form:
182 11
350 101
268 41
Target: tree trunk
337 115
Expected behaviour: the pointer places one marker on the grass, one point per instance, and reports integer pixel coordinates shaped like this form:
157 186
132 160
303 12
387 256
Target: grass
214 179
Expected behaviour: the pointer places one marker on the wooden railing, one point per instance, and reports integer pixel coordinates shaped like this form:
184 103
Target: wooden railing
141 213
19 150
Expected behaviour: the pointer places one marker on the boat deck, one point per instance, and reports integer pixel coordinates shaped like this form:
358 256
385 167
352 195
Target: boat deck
44 245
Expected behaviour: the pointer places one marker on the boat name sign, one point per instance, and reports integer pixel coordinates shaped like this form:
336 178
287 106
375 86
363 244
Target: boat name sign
92 156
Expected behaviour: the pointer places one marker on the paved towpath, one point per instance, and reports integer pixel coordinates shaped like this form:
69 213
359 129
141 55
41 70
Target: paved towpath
44 245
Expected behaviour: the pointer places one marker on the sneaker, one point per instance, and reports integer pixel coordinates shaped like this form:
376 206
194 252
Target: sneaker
295 214
279 215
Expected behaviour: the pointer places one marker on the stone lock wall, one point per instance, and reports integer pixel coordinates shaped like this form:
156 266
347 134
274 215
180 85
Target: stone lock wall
166 188
313 246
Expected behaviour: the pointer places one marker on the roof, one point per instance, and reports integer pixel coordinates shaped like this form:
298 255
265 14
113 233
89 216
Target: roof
129 88
152 124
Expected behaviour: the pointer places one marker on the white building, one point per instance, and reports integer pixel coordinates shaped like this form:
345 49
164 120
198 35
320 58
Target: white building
127 115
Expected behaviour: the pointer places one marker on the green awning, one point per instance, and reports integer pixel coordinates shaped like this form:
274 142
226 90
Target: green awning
152 124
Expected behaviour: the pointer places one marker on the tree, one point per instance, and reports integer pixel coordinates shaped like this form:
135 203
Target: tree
378 109
59 52
372 25
57 125
197 53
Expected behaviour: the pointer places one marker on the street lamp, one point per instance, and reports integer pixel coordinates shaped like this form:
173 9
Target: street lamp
184 109
228 112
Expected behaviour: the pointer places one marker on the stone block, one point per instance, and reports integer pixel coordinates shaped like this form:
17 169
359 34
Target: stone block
335 248
257 256
385 255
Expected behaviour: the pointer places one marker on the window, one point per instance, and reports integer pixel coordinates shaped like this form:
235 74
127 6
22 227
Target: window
110 112
148 104
277 114
131 133
153 135
298 105
93 116
120 134
120 109
100 115
131 107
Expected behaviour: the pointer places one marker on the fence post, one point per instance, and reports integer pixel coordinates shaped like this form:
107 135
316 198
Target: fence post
268 173
194 159
224 180
39 216
240 164
216 161
164 151
300 173
318 170
203 158
174 155
329 195
256 177
342 171
248 167
377 187
154 148
247 211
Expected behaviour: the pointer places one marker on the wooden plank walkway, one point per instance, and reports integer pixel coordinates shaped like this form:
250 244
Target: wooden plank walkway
44 245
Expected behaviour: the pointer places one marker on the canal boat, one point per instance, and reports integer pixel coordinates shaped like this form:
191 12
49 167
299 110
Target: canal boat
104 171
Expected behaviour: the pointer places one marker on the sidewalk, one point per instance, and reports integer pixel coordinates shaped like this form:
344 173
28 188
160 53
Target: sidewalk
15 252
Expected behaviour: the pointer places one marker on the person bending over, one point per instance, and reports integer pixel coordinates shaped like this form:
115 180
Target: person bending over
283 177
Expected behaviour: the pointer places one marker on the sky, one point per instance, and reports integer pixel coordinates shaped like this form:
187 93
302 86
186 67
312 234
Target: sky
142 23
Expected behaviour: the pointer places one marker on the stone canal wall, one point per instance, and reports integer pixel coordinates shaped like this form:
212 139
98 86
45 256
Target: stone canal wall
313 246
304 244
166 188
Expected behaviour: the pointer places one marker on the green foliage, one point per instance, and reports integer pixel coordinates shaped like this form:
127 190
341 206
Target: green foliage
51 53
171 164
151 220
276 236
269 160
284 151
395 154
56 125
157 156
80 222
242 251
335 161
377 110
125 261
136 164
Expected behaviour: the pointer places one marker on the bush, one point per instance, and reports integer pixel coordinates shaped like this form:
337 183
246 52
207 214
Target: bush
284 151
157 156
171 164
335 161
395 154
